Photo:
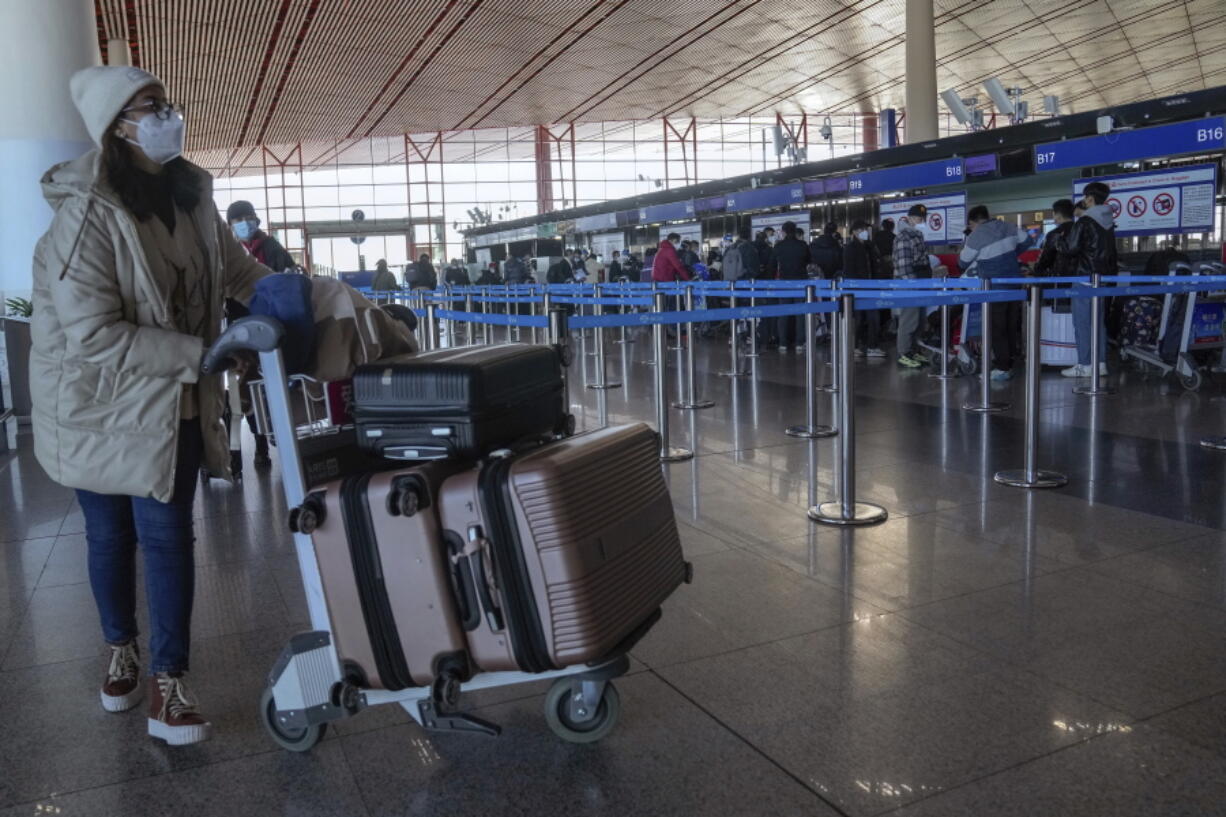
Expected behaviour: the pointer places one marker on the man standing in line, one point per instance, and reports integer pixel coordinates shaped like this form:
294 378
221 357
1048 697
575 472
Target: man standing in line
1090 247
791 259
993 247
910 257
263 247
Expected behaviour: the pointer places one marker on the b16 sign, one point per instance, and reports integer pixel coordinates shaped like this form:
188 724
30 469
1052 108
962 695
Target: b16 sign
946 216
1160 202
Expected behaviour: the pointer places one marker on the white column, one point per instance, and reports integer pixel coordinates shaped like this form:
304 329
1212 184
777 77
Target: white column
42 43
118 52
921 68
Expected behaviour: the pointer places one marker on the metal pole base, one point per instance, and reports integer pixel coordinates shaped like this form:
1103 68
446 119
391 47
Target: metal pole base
831 513
1216 443
751 354
990 408
675 454
1090 391
602 386
1042 479
622 342
828 388
939 376
694 404
810 432
730 373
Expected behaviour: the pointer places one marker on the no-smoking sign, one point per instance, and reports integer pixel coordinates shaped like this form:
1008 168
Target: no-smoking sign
1116 207
1164 203
1137 206
935 222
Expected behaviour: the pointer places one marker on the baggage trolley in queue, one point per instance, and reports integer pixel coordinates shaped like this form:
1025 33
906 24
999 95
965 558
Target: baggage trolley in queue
308 422
1191 327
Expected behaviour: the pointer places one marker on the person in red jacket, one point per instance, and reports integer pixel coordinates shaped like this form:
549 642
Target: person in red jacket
668 266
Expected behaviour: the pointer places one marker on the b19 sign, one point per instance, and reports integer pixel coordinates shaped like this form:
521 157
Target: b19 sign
946 216
1160 202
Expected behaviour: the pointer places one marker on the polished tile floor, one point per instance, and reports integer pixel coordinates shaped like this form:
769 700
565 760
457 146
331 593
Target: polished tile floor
986 651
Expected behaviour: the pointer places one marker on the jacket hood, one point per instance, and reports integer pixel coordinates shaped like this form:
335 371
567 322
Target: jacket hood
1102 214
990 232
78 178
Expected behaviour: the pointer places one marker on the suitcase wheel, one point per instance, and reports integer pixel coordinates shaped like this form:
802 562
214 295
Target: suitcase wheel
295 740
569 718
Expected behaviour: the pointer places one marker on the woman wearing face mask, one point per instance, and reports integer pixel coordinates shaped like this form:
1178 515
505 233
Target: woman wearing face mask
859 261
129 283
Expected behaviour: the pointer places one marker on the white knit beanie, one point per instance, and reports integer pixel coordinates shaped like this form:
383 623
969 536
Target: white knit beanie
102 91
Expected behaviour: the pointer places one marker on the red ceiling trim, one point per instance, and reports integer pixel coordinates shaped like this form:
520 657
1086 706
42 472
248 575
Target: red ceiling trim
421 41
623 82
273 38
569 37
129 17
290 62
391 106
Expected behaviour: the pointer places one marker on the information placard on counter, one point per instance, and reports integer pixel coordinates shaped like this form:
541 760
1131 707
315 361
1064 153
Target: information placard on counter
1160 202
946 215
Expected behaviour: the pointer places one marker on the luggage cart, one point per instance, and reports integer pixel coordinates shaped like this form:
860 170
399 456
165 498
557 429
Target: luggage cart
1197 318
308 686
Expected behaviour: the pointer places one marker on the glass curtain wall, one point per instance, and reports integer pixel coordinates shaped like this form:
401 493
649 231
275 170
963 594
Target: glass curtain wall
491 174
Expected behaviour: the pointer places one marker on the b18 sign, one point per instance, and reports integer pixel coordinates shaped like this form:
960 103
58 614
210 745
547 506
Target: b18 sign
946 216
1160 202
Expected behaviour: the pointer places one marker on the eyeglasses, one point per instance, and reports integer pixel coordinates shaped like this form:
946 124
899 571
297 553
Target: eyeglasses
162 110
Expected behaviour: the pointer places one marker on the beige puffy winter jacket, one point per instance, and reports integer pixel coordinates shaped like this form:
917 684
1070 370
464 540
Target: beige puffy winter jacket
107 366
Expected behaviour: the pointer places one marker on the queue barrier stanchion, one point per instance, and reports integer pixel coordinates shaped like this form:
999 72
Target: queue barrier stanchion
532 314
487 330
558 336
654 360
668 452
944 373
681 339
1031 476
833 386
735 369
811 428
986 404
691 401
1096 388
846 511
601 361
752 325
431 325
625 335
470 331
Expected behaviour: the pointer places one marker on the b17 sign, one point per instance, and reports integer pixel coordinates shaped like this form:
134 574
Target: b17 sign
946 216
1160 202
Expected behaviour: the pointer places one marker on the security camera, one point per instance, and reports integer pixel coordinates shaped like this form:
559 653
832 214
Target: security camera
1051 105
825 130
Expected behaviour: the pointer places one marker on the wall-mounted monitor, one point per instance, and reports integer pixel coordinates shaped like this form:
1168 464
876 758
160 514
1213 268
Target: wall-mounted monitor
980 167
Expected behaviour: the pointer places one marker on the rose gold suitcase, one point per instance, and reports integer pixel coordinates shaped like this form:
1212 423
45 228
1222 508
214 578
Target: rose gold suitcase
572 548
387 578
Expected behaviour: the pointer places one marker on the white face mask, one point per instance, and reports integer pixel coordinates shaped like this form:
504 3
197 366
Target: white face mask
160 139
862 235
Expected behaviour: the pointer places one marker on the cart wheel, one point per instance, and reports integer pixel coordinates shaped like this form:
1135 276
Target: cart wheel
296 740
1190 382
558 715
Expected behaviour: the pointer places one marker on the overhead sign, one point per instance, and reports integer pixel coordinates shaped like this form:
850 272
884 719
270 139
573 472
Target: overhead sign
1123 146
601 221
908 177
673 211
1160 202
815 189
714 204
604 244
759 199
946 216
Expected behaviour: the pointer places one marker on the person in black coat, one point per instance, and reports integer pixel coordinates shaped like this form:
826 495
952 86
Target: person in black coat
791 256
860 260
420 274
827 251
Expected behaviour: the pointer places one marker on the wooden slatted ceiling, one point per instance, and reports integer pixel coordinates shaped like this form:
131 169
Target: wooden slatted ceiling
333 72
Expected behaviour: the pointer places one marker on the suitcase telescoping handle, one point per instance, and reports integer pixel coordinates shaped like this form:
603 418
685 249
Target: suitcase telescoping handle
469 562
257 333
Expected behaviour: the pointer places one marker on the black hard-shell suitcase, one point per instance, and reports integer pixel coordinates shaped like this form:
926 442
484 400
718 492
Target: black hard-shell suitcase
459 403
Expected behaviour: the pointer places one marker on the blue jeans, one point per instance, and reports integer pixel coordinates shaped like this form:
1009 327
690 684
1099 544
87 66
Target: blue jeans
113 526
1083 323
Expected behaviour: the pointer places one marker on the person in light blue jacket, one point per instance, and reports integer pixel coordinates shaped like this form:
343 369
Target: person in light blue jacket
992 248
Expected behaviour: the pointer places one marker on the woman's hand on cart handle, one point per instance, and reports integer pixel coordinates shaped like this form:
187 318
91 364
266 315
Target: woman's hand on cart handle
257 333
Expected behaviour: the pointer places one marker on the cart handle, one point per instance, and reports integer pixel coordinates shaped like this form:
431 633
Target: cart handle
257 333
